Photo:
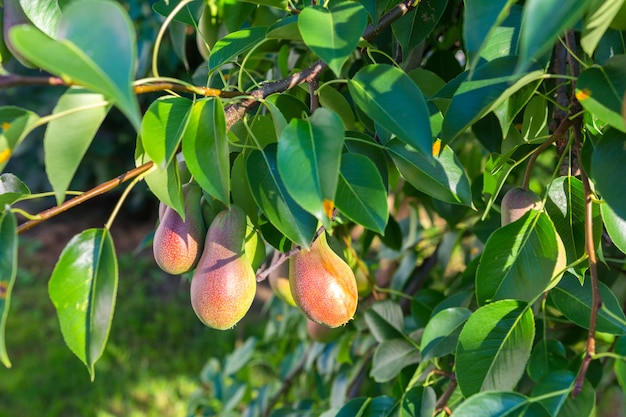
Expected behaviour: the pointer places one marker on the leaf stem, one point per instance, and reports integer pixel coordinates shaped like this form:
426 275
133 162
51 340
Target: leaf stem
98 190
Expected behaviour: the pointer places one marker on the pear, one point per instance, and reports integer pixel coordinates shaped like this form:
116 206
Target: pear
320 333
279 282
177 244
517 202
323 285
224 284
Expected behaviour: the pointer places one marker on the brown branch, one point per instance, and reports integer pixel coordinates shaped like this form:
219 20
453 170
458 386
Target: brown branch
100 189
14 80
199 90
558 134
442 402
596 300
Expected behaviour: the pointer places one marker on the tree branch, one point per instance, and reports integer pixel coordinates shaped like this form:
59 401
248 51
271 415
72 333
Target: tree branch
596 300
98 190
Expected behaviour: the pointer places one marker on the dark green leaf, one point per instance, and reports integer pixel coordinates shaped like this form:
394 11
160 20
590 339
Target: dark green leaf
384 320
8 272
520 261
12 189
83 289
494 347
240 357
498 404
442 332
86 54
556 386
620 364
279 4
367 407
542 24
417 402
333 100
205 147
413 28
272 198
391 99
234 44
607 159
361 194
422 305
600 91
442 177
574 301
333 33
390 357
68 136
309 157
547 356
189 14
481 19
490 85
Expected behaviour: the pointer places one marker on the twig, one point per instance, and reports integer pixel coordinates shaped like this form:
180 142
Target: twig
596 300
288 381
98 190
442 402
200 90
314 100
558 133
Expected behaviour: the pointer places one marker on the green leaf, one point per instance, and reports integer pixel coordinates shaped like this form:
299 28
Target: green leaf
600 91
86 54
520 261
68 136
285 29
234 44
12 189
189 14
481 19
205 147
390 357
162 128
583 405
596 21
44 14
333 34
559 384
309 157
165 184
423 304
333 100
240 357
418 402
566 207
367 407
574 301
504 38
15 124
442 332
542 24
547 356
490 85
279 4
8 272
385 321
494 347
83 289
240 189
391 99
620 364
273 199
608 158
361 194
615 226
413 28
442 177
499 404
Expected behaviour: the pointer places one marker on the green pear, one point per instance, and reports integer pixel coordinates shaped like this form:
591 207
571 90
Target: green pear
517 202
178 243
224 284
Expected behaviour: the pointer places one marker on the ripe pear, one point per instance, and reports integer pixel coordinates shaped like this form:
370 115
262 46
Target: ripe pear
177 244
224 284
517 202
323 285
279 282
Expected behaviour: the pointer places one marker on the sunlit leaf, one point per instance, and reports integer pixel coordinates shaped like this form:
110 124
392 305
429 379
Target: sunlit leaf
8 272
494 346
234 44
442 331
333 33
83 289
15 124
68 136
12 189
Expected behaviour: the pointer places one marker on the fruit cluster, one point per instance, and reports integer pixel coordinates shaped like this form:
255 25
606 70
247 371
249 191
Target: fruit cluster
219 246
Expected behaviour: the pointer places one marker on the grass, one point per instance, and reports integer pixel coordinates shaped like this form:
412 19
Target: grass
156 350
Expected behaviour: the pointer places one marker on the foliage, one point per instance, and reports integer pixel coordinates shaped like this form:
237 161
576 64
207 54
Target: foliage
397 126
